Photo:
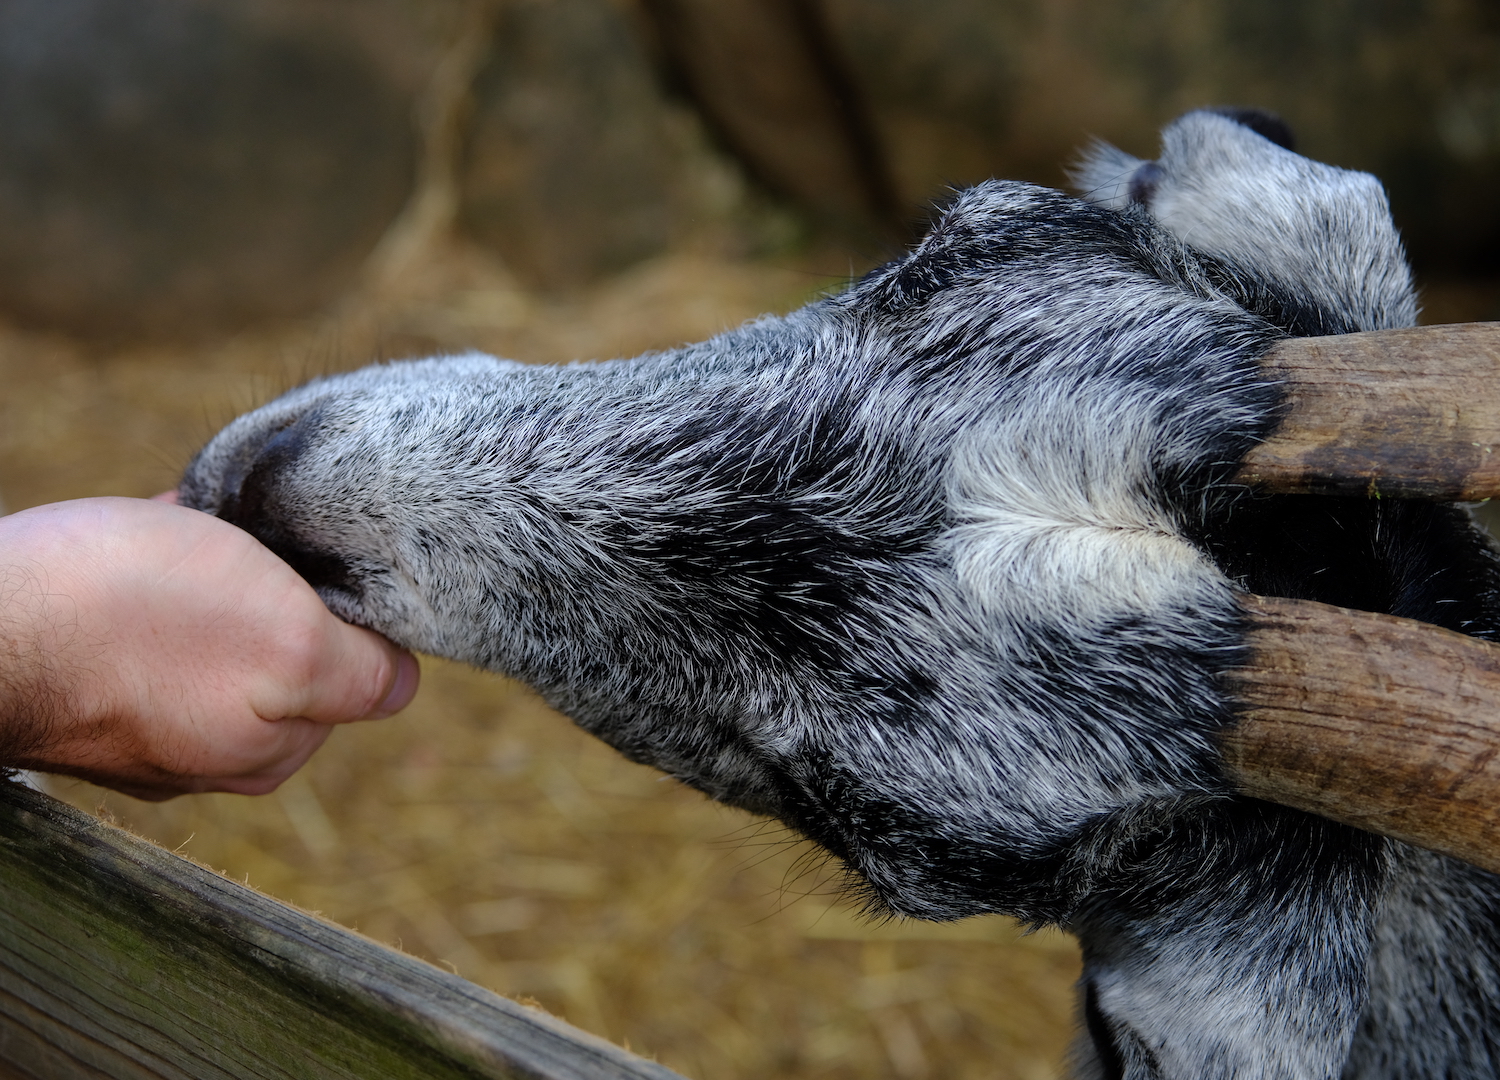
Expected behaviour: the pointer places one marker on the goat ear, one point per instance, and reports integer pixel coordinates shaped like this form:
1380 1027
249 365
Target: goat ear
1410 413
1264 123
1103 174
1382 723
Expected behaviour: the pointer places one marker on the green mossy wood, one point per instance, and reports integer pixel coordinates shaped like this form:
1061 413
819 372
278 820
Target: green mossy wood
119 959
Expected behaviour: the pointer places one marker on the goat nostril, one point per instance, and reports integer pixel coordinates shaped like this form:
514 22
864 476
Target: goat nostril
247 482
252 501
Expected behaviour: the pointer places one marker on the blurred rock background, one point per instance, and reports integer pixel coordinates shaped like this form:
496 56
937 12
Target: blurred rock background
203 202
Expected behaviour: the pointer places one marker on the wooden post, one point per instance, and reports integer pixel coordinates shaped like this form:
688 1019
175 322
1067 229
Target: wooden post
121 960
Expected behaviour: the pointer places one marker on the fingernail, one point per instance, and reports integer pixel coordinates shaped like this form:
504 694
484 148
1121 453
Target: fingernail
403 687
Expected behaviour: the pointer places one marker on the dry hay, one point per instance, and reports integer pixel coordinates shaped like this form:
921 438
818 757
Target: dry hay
482 831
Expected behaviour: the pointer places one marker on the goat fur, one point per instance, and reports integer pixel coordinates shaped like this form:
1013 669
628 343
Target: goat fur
941 572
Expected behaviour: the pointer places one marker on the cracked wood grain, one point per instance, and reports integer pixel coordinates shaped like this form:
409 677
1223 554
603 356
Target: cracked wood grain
1386 724
1411 413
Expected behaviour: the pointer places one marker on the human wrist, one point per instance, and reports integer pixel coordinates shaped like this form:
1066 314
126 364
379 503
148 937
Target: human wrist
61 708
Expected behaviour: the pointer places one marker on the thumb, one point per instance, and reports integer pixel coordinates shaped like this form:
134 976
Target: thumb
357 675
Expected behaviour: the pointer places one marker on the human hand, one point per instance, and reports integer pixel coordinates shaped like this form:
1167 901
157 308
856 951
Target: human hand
159 651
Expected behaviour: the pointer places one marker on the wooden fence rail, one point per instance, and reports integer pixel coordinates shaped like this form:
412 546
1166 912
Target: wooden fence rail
121 960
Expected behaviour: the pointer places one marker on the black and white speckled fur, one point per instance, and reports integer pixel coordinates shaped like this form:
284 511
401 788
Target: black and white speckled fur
941 572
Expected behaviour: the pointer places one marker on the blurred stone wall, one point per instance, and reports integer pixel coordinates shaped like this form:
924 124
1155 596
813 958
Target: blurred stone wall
574 163
171 166
1406 89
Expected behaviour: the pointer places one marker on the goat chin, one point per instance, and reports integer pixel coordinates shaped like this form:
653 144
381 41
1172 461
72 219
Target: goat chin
941 572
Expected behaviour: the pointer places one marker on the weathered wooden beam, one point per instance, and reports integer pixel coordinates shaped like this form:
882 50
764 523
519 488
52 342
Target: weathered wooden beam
1409 413
121 960
1386 724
